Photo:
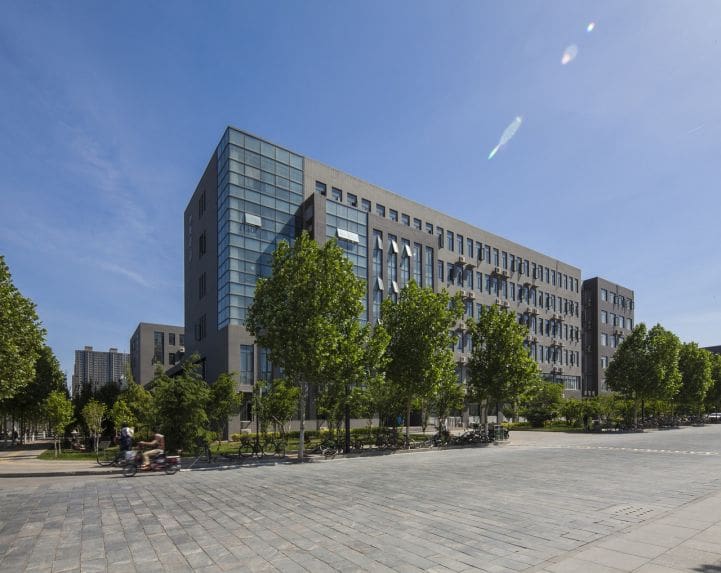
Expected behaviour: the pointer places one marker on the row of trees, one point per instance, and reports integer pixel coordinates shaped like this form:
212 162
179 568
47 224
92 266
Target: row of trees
30 374
307 315
655 365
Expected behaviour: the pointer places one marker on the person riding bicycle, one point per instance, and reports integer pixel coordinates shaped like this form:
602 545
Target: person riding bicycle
126 437
158 445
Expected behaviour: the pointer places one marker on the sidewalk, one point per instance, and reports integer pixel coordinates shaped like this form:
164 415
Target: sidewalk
25 463
686 539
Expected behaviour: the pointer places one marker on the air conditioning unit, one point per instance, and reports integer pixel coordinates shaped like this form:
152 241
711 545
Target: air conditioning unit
181 349
461 260
463 360
498 301
504 273
471 294
497 270
506 304
534 339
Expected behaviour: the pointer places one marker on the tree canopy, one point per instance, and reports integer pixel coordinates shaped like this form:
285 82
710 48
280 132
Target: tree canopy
694 363
21 336
645 366
420 355
500 369
181 404
302 311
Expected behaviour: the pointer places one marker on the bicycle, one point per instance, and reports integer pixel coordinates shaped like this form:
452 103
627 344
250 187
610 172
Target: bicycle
250 448
108 455
275 447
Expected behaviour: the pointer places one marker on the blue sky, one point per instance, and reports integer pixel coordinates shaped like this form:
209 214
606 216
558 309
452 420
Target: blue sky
109 114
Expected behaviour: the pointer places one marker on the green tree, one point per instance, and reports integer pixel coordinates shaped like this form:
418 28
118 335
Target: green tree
448 396
121 412
21 336
279 402
573 410
361 354
696 376
713 396
500 369
542 403
301 312
224 402
27 404
181 404
93 415
59 413
141 404
645 366
420 357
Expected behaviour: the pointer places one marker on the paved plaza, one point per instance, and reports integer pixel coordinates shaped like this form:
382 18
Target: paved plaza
547 502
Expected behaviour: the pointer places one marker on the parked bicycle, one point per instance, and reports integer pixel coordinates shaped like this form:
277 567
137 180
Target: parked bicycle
250 448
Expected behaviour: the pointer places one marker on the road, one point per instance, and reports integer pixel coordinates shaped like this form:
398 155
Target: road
547 502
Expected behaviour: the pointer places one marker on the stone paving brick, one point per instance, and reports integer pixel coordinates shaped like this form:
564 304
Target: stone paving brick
445 511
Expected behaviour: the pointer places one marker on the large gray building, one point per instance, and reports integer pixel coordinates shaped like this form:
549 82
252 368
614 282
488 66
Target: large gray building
155 344
254 194
607 317
98 368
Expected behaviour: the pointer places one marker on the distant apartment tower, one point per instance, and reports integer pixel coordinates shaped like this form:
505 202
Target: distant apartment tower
98 368
713 349
153 344
254 194
607 317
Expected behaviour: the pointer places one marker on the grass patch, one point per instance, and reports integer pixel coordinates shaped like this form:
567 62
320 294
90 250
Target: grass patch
67 455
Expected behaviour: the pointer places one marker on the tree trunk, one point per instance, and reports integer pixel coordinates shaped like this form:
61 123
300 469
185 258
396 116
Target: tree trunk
301 434
408 423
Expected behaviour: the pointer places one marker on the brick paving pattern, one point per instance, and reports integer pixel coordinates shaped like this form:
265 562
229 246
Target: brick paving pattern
544 503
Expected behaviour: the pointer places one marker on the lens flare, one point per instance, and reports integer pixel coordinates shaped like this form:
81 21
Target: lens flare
590 27
506 136
569 54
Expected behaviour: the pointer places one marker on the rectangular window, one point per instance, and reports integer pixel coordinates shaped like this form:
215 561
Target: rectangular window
171 339
380 210
526 268
201 286
604 294
604 317
604 339
405 262
406 219
459 244
604 361
201 204
429 267
171 358
479 251
366 205
247 369
504 259
417 223
417 270
513 263
496 258
182 340
629 323
201 328
202 245
487 253
393 215
534 271
547 274
265 367
336 194
441 270
429 228
320 188
352 200
479 281
469 247
158 347
449 240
